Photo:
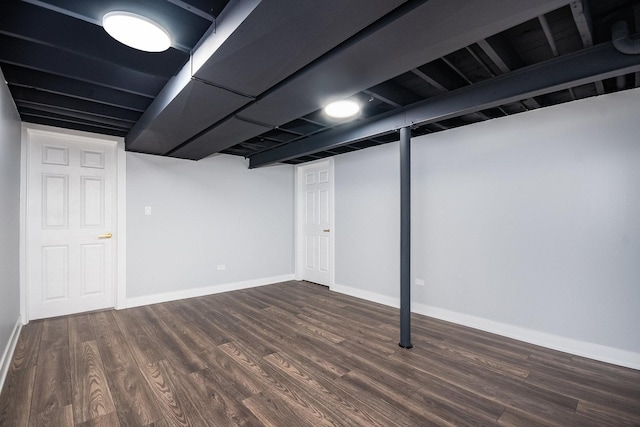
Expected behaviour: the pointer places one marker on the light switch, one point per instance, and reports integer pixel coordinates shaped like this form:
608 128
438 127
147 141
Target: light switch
147 210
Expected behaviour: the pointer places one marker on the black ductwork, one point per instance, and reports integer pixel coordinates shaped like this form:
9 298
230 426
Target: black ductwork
269 63
622 40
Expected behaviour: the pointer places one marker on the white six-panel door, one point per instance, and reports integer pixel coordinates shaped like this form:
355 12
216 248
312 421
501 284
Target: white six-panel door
316 204
70 201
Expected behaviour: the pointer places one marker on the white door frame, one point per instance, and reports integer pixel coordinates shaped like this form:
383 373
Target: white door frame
299 220
119 266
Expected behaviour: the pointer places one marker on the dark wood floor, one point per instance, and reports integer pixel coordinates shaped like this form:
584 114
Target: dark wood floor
297 354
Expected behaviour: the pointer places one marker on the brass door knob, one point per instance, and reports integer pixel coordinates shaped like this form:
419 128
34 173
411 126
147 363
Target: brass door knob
105 236
327 230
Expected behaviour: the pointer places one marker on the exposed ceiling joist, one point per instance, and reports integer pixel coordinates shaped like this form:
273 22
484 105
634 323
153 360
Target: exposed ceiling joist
269 42
433 82
196 11
585 66
582 18
456 70
395 43
50 121
549 34
393 94
91 45
529 104
34 109
64 102
506 59
263 84
636 19
63 63
381 98
178 17
51 83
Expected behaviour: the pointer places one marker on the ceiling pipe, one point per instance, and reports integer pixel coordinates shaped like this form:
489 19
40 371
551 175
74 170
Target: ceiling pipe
622 40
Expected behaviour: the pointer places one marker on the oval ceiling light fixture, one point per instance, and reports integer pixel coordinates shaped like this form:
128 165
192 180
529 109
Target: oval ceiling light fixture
136 31
342 109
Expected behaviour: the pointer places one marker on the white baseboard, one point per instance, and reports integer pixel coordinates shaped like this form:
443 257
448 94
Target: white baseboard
199 292
369 296
7 355
599 352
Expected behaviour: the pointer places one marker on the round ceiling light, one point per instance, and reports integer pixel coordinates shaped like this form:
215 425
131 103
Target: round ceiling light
342 109
136 31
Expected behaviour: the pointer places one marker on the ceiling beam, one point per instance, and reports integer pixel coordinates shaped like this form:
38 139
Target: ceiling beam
488 69
37 97
56 61
393 93
381 98
189 8
582 67
25 77
582 18
439 75
584 23
636 19
79 116
480 61
506 59
71 125
429 80
494 56
548 34
456 70
68 119
64 11
56 30
86 12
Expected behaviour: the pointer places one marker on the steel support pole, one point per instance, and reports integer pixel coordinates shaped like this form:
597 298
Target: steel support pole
405 237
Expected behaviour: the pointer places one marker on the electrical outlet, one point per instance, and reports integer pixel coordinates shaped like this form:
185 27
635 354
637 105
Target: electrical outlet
147 210
221 267
419 282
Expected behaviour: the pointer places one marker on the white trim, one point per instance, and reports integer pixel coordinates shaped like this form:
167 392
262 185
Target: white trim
366 295
120 299
199 292
297 226
7 355
24 292
298 245
568 345
119 272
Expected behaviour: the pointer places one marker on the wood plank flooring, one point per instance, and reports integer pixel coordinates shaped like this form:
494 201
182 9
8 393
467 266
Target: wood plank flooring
296 354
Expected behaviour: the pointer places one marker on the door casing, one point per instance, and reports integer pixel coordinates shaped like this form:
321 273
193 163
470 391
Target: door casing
119 213
299 218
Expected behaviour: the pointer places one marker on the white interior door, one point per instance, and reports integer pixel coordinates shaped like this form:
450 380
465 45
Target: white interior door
315 216
70 218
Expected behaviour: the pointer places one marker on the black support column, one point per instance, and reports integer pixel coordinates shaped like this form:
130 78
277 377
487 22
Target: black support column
405 237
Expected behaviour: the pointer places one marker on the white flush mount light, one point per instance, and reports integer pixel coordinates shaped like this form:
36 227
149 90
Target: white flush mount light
136 31
342 109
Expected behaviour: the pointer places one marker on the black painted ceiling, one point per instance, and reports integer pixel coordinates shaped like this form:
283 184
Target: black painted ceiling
263 84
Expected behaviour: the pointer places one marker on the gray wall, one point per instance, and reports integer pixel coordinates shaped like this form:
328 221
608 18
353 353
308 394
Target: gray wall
204 214
529 221
9 214
367 219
